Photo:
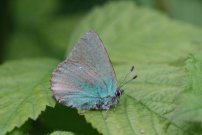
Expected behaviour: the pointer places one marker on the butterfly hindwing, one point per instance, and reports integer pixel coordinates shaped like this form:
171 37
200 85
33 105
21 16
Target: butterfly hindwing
86 76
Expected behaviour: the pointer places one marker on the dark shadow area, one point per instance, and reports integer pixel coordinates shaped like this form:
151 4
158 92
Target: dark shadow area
4 26
62 118
195 128
77 6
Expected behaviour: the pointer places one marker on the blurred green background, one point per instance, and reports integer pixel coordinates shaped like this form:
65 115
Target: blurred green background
43 28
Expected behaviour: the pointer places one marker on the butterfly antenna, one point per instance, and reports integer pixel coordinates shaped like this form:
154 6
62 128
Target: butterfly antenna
134 77
126 76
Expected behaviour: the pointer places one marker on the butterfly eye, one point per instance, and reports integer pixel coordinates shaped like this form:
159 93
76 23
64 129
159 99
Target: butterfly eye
119 93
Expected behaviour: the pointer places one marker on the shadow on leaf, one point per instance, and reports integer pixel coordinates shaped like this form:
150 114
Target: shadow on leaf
65 119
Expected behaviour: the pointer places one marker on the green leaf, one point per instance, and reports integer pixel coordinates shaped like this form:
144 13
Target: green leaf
17 132
24 91
66 119
61 133
148 3
34 12
56 34
23 45
190 102
158 46
48 40
188 10
22 130
139 35
145 105
156 87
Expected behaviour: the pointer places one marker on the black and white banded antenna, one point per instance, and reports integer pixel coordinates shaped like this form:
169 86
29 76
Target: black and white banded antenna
126 80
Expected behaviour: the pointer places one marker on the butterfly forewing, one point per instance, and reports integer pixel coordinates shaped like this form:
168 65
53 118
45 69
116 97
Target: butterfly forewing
86 76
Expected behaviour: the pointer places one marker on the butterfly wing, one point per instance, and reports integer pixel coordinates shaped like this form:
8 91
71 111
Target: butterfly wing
86 76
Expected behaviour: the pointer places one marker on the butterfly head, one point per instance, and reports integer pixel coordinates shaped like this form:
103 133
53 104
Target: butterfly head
112 101
119 92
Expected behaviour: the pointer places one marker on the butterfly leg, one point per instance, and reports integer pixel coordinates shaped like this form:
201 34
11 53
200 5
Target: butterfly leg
115 105
114 109
106 114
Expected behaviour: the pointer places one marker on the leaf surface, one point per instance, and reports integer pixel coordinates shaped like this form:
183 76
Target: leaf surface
158 47
61 133
24 91
145 105
143 35
189 107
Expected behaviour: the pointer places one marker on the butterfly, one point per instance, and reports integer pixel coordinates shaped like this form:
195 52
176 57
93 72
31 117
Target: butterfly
86 79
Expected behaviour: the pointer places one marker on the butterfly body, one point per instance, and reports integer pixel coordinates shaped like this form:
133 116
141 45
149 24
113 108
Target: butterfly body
105 103
86 79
